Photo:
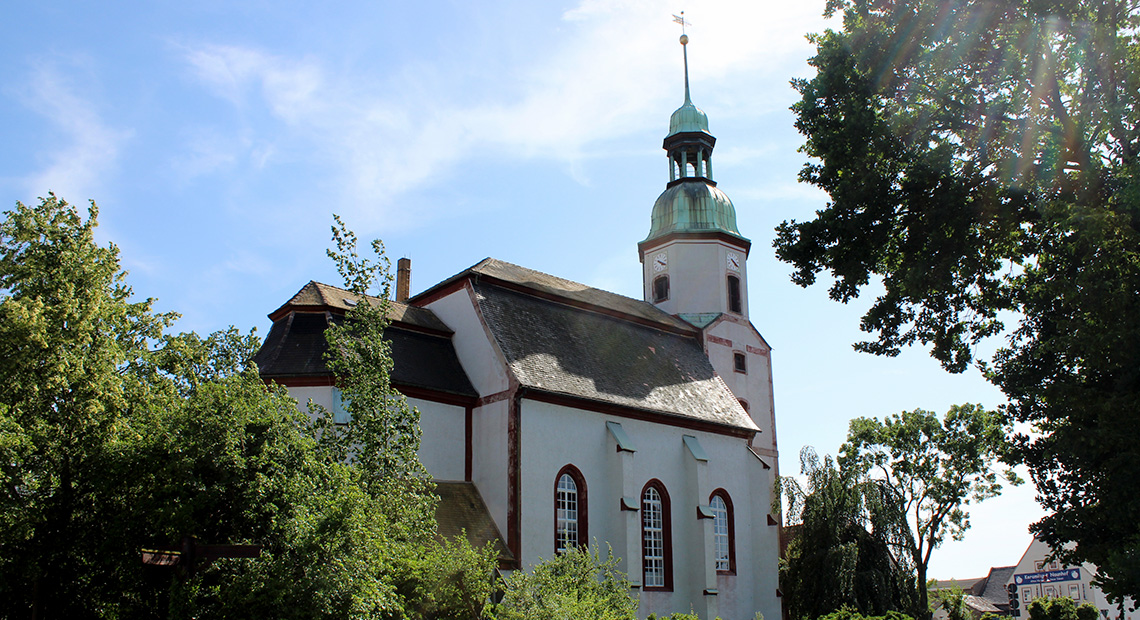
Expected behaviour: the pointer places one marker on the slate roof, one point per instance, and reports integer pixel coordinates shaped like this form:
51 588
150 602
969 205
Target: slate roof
420 341
564 349
317 296
566 290
461 509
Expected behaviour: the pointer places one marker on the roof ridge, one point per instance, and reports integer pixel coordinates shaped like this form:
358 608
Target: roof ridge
578 293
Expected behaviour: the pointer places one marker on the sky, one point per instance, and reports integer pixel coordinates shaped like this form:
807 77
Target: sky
219 137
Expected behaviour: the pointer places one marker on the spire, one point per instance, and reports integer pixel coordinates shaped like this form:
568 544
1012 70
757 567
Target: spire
685 52
688 117
691 202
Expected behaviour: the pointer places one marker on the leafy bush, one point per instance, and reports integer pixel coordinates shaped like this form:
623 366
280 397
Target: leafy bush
573 585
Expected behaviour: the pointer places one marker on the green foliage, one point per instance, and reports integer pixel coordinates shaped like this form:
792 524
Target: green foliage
850 614
1061 608
983 163
841 556
68 329
928 470
572 585
115 437
449 580
383 436
953 600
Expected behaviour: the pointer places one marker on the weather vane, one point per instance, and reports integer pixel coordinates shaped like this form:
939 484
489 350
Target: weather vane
680 19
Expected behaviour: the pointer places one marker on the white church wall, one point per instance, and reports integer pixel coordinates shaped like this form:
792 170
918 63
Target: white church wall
553 436
442 443
321 395
472 344
489 458
477 354
736 335
443 440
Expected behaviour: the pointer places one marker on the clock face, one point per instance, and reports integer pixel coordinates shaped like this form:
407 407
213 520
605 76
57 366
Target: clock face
733 262
660 262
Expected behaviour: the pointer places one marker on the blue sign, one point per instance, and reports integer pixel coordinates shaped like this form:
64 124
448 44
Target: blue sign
1067 574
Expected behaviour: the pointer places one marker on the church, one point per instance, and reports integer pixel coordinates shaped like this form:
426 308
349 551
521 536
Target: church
554 414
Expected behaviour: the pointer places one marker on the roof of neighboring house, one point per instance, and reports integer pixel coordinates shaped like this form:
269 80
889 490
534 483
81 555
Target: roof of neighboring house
995 584
966 585
981 604
421 345
565 349
461 510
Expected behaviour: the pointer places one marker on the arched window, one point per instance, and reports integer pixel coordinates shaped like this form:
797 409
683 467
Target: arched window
724 535
656 538
569 509
660 289
734 302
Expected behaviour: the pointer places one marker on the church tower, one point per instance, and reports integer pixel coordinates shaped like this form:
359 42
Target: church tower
694 259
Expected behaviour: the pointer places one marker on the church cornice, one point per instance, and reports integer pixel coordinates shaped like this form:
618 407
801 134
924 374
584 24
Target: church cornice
634 413
649 245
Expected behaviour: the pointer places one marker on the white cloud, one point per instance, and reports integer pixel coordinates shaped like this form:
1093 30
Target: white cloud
612 68
89 148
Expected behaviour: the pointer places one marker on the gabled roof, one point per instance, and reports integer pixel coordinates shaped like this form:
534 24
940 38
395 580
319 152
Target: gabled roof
561 348
566 291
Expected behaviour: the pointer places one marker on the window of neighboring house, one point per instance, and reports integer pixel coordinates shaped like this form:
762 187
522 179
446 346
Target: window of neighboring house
340 407
656 538
744 403
739 363
723 532
660 289
734 301
569 509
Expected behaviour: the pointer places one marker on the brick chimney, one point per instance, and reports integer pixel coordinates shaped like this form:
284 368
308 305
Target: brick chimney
403 279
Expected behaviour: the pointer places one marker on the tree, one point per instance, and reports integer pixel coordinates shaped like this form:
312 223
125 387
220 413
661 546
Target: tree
115 436
574 584
840 557
983 162
68 330
929 470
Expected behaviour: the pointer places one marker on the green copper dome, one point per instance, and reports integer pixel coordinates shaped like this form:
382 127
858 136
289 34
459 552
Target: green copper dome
688 118
692 206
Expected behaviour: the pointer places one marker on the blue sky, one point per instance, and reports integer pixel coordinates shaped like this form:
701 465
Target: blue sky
219 137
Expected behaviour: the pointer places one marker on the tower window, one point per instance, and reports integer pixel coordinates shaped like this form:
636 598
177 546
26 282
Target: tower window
734 303
739 363
660 289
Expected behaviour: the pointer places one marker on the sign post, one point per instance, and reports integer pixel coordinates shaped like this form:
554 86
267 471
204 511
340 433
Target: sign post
194 556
